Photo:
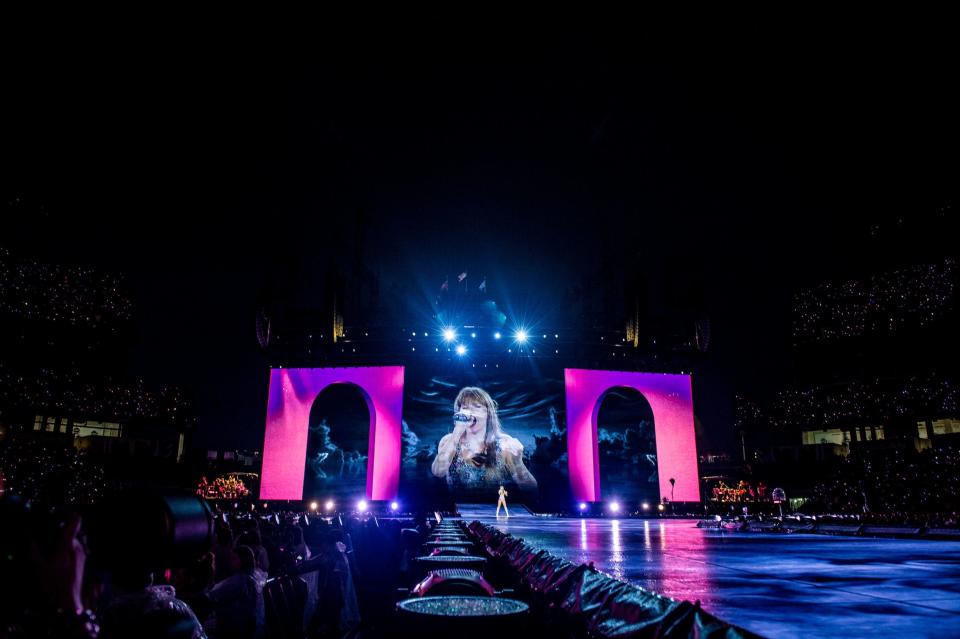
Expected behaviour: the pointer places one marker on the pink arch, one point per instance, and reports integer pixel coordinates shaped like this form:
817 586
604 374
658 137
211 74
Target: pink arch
670 398
291 395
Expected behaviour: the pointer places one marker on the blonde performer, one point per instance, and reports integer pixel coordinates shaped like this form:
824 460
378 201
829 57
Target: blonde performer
502 501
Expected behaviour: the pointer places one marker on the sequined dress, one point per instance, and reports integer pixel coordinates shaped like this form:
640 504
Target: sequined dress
467 475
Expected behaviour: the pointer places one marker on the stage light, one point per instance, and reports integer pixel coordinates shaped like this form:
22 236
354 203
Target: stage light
362 505
461 349
394 506
414 333
449 335
520 336
329 505
661 507
474 335
615 507
582 506
496 335
646 506
313 505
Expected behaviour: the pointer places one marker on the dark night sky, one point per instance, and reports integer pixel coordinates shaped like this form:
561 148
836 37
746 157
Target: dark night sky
196 170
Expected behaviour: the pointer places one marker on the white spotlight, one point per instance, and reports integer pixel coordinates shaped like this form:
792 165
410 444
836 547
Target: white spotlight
461 349
520 336
496 335
449 334
615 507
362 505
313 505
328 505
394 506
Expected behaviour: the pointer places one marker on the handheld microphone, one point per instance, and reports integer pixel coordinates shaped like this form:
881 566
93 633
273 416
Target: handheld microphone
462 417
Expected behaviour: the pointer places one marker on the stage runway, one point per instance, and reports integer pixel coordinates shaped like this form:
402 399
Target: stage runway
775 585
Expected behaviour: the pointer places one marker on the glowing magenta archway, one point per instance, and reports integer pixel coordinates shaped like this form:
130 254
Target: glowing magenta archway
670 398
291 396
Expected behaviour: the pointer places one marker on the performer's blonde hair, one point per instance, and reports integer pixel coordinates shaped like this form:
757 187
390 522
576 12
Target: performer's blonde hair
476 395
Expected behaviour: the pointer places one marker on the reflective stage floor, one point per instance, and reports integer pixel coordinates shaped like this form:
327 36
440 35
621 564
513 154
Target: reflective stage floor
775 585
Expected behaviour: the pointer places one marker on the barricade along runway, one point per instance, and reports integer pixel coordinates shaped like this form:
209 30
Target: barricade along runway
777 585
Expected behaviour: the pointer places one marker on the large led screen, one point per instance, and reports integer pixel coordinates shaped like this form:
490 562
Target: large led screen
466 432
432 432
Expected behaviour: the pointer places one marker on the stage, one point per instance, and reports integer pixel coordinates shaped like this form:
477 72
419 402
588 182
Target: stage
777 585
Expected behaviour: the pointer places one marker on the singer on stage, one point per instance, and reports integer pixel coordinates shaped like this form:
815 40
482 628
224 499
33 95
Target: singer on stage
478 454
502 501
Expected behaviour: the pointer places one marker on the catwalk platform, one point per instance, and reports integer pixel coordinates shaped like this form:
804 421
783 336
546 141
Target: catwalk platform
777 585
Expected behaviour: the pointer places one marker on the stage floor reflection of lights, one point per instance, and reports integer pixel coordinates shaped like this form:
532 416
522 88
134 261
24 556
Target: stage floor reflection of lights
774 585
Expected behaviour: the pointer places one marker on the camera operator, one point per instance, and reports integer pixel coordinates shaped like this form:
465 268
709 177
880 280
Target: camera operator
54 576
43 568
